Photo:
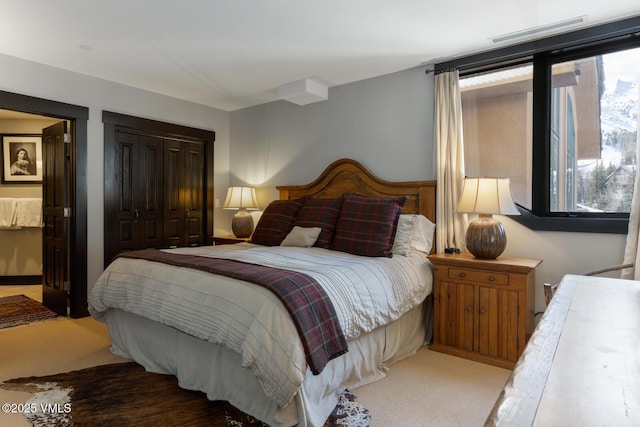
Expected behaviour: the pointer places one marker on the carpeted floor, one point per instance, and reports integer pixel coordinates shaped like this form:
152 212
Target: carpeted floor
125 394
21 310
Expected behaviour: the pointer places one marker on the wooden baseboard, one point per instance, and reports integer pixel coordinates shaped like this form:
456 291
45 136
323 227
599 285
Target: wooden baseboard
20 280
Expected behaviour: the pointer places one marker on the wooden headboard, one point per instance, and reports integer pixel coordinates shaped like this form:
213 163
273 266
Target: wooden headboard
349 176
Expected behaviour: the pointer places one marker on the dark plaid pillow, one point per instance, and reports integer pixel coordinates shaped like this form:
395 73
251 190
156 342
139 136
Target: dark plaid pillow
276 222
321 213
367 225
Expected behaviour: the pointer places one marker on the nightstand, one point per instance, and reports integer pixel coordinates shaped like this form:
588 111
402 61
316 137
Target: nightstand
228 240
483 309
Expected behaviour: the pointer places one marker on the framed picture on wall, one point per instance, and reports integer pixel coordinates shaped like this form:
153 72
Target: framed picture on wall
21 159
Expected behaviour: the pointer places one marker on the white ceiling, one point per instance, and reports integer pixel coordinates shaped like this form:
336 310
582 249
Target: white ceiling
232 54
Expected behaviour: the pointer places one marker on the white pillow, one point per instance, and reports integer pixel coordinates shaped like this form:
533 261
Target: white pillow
404 231
302 237
413 232
422 238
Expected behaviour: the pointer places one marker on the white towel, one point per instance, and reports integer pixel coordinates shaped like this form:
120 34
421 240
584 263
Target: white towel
7 212
28 213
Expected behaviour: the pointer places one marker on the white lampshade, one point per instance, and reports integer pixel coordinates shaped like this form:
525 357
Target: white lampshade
241 198
487 196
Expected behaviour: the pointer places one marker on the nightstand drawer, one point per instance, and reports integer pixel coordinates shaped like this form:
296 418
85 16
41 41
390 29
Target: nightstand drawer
489 277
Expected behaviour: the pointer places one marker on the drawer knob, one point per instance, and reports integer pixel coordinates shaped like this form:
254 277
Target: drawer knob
469 308
461 274
492 278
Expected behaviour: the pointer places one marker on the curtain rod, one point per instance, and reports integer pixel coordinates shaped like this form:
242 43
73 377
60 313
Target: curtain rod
443 70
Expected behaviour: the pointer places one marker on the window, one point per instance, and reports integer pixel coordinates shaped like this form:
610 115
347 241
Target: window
562 124
497 119
594 130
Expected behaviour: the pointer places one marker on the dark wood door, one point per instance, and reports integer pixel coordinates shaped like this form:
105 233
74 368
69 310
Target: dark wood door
148 193
122 211
184 186
138 162
194 202
54 235
174 211
158 185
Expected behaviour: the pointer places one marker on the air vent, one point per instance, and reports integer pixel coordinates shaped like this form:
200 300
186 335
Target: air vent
540 29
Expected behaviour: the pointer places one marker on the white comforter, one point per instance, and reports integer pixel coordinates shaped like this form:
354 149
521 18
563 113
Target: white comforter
249 319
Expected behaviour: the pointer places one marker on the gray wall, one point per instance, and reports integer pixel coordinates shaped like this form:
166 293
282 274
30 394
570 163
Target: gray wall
385 123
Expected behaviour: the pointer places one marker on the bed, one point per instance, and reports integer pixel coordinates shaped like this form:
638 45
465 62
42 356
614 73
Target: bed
192 313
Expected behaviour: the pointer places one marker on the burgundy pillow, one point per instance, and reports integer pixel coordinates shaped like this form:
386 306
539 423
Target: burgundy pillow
276 222
367 225
321 213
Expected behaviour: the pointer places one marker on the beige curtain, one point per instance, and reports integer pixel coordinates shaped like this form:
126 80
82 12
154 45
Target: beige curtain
631 253
450 226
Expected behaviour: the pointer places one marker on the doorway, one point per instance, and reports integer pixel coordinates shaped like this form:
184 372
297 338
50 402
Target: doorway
76 239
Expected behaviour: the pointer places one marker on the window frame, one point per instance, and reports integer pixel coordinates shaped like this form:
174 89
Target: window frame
620 35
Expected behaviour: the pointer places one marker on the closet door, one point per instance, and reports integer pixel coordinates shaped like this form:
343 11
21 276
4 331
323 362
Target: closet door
158 185
133 210
174 213
194 202
184 188
148 194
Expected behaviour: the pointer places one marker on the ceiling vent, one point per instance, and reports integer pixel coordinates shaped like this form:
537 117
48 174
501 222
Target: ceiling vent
303 92
541 29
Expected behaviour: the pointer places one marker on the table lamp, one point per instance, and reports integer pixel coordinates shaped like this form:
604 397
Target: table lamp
242 199
485 237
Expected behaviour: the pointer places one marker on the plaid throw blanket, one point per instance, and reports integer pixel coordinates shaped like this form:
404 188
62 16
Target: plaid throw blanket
306 301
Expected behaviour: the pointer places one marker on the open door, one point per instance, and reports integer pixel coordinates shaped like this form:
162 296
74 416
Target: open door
55 231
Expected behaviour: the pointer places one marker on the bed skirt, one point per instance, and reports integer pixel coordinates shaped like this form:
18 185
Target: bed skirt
218 372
